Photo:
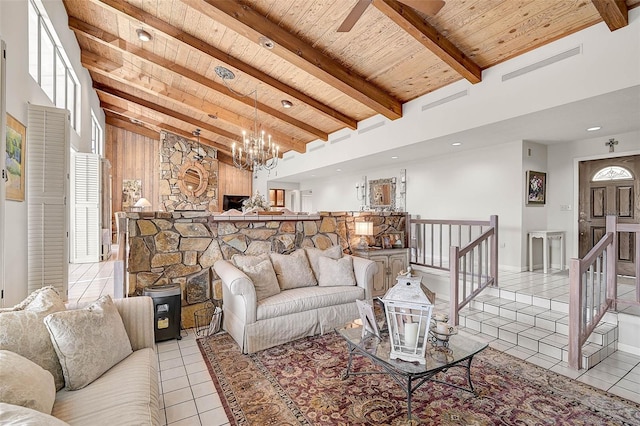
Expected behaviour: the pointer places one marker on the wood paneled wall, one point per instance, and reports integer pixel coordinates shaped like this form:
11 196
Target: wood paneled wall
134 156
233 181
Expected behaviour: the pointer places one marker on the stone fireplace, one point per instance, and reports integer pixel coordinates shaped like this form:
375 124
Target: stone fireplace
188 174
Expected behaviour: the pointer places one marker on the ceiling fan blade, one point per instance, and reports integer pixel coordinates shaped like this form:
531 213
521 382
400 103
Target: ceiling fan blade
353 16
428 7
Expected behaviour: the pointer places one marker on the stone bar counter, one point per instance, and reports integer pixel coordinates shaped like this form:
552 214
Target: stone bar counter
182 246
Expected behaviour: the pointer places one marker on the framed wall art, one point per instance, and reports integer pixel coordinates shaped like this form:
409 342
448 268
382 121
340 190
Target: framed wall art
131 192
15 158
536 187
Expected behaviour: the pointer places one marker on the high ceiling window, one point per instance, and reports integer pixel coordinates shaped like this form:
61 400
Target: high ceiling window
97 136
49 64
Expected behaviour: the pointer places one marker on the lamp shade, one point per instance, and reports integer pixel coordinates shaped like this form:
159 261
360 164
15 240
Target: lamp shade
364 228
142 202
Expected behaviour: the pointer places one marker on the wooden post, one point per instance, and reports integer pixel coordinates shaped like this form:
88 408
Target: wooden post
493 220
454 275
575 319
612 261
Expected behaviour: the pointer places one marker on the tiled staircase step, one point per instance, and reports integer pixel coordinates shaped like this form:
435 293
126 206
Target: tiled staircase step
535 324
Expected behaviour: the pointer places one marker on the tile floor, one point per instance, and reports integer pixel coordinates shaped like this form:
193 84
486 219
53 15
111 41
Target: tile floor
188 396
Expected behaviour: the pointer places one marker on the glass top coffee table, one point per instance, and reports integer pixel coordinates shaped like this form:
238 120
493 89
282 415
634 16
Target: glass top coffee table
410 375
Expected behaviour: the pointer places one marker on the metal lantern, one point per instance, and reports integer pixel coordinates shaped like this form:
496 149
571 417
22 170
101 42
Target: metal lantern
408 310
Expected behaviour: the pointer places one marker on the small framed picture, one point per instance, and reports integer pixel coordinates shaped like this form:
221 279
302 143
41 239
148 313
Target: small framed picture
536 187
368 318
386 242
396 239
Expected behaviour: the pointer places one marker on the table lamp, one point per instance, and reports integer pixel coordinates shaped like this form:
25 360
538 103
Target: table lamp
141 204
364 229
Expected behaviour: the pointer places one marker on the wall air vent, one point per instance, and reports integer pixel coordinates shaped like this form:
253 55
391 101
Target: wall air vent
286 157
552 60
445 100
340 139
315 148
368 129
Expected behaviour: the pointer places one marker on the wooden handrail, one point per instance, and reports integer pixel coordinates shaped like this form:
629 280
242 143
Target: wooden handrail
480 254
596 251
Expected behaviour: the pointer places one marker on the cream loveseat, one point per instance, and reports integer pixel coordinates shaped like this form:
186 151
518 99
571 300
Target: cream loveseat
125 394
262 309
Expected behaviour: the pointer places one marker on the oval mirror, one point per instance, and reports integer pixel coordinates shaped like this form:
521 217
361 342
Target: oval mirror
193 179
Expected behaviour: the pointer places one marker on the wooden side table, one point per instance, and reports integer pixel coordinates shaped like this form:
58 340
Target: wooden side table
546 236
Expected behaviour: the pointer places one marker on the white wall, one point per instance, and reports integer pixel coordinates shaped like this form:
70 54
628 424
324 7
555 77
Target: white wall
534 216
21 90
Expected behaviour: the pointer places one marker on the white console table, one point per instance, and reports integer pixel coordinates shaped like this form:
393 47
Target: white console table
546 236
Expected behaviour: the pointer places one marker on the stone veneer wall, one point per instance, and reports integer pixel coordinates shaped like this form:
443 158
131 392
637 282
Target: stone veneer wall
176 151
182 246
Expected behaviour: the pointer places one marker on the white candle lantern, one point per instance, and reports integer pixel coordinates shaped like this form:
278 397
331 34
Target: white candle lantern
408 311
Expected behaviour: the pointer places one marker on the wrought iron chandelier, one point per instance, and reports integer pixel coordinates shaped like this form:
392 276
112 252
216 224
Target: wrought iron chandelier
256 151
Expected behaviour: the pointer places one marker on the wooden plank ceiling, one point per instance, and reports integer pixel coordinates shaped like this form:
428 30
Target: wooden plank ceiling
393 54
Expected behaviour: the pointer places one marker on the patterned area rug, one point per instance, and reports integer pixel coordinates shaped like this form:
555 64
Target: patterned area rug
300 384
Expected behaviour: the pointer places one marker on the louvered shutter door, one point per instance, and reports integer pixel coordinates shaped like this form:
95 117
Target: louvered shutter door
47 188
85 208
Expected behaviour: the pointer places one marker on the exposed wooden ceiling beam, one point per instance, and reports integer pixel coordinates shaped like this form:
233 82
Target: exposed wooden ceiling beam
614 13
247 22
284 145
159 25
126 116
100 65
130 127
410 21
88 31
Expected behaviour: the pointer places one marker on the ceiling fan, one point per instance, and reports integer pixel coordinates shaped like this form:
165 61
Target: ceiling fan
428 7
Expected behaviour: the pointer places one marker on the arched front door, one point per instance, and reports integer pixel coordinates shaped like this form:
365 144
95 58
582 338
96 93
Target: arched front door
610 187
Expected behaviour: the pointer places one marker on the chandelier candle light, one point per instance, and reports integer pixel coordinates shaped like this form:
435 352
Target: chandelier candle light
256 152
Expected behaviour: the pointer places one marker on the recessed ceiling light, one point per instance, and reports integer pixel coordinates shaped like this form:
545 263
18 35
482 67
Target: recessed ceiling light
286 103
594 128
215 117
135 121
338 170
456 143
395 157
143 35
266 42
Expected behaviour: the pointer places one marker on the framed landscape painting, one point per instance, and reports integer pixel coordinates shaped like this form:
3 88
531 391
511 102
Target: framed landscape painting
15 158
536 187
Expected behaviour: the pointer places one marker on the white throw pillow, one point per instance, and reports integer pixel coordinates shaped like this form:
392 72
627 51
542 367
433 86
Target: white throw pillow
242 260
22 330
25 383
15 415
293 270
313 253
88 341
336 272
264 279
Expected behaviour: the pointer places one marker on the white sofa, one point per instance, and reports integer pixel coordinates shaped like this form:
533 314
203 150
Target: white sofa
292 313
126 394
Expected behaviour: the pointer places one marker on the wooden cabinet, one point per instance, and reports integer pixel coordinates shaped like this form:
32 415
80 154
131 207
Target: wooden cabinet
390 263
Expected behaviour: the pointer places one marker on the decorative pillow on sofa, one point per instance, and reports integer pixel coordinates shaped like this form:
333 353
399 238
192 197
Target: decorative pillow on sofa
22 330
25 383
15 415
242 260
88 341
313 253
264 279
293 270
336 272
